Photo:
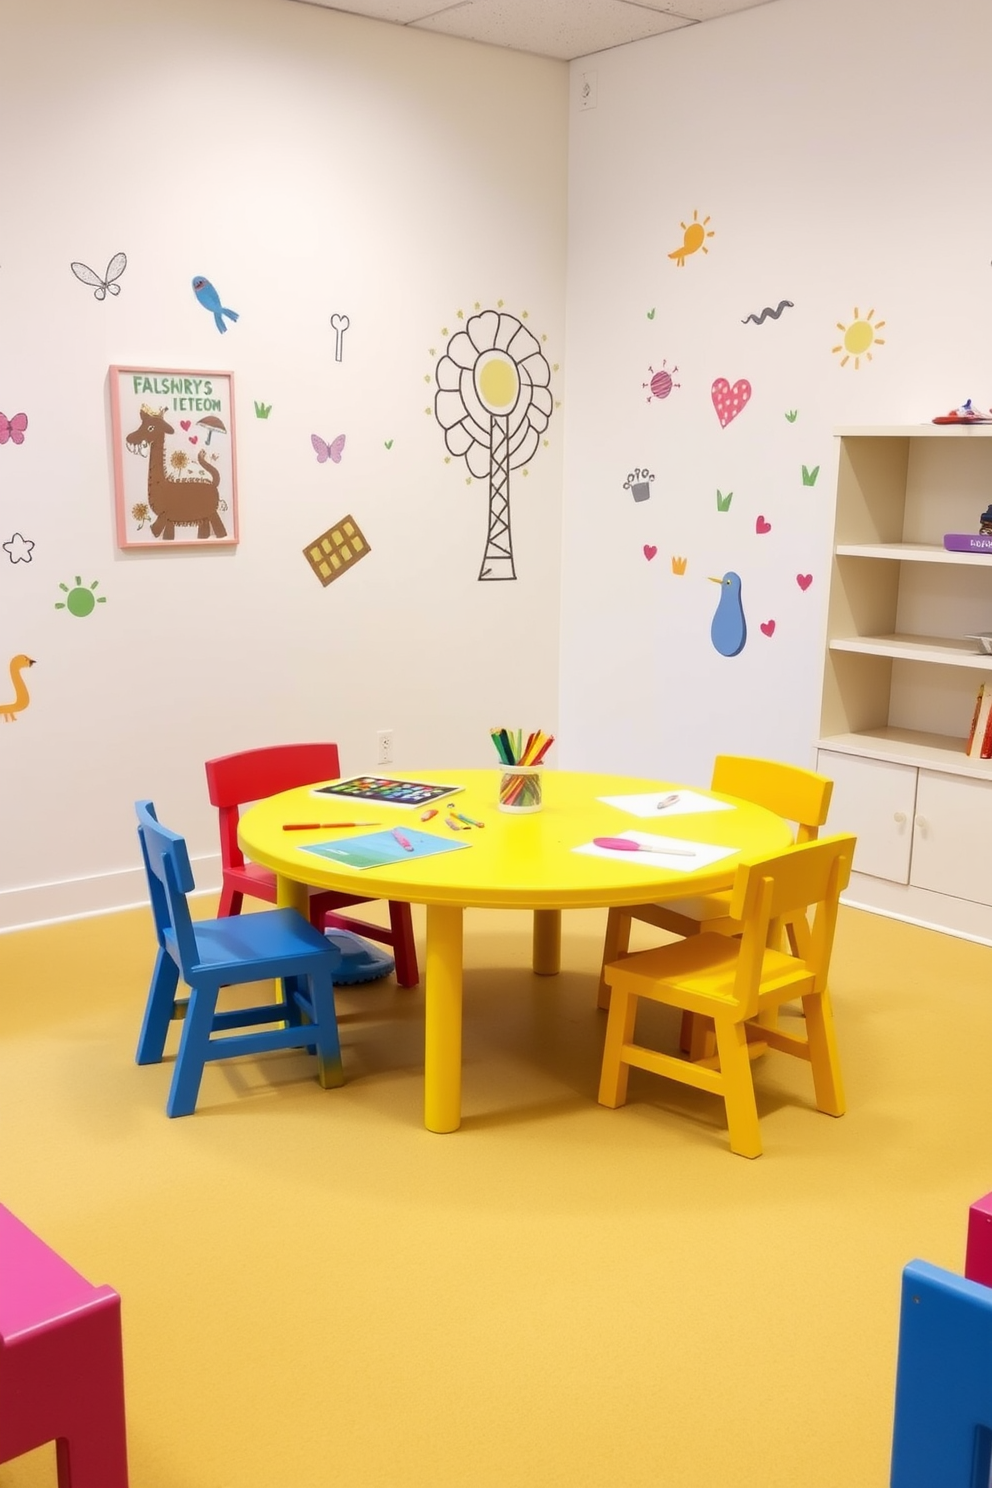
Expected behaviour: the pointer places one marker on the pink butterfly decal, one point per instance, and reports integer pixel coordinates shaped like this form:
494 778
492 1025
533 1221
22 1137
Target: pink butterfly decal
325 450
13 428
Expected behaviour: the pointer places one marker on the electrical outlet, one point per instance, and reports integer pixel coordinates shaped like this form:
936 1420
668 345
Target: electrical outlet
385 738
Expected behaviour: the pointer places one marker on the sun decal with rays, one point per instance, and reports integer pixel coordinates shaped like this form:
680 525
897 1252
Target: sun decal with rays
694 239
859 337
493 403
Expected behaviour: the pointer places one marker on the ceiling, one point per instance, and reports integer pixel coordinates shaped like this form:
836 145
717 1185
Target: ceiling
551 28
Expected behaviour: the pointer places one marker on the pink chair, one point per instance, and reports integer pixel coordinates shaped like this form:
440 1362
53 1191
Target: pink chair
61 1363
234 780
978 1252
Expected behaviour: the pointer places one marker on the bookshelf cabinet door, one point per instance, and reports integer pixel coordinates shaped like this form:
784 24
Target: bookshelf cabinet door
876 799
952 836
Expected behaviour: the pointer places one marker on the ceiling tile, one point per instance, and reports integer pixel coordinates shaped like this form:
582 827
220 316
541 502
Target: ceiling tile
698 10
554 28
551 28
403 12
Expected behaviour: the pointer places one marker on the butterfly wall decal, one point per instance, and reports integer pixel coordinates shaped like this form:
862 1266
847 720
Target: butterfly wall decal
327 451
13 428
115 269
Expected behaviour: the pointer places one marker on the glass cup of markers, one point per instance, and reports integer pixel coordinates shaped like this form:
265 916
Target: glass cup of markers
520 774
520 788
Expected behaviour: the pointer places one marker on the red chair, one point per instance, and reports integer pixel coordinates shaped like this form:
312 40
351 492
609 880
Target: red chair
235 780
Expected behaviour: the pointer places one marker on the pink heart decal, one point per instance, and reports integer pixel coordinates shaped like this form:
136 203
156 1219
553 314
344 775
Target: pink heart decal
762 526
184 424
649 551
728 401
804 581
194 439
768 627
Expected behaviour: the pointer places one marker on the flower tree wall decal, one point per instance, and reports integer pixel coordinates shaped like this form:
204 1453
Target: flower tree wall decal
493 403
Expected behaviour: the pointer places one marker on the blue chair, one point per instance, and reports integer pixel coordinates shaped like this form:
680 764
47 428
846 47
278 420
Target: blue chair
210 954
942 1431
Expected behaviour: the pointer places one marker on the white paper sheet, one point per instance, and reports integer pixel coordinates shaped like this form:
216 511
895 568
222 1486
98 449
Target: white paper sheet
687 803
703 853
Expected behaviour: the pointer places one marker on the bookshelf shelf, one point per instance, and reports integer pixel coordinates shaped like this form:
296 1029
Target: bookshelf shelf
911 747
940 650
901 675
913 553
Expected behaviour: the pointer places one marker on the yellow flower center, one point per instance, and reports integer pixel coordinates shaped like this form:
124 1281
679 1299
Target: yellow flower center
498 382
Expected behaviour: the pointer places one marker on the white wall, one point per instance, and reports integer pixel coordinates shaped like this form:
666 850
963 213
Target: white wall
305 162
837 152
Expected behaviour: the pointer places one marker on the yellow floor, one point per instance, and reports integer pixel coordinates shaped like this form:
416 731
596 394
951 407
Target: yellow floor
317 1291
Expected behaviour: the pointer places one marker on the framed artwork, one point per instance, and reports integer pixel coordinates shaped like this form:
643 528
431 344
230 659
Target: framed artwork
174 457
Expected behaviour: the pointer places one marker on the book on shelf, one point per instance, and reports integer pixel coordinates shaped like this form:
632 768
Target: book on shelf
968 542
979 745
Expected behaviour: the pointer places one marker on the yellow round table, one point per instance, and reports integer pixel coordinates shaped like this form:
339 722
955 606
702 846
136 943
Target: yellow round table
512 862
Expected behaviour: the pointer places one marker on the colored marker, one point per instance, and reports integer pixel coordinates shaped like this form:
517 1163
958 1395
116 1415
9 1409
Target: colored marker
322 826
404 842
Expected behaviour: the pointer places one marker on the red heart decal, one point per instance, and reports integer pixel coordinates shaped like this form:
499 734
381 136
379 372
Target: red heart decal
762 526
184 424
768 627
728 401
649 551
194 439
804 581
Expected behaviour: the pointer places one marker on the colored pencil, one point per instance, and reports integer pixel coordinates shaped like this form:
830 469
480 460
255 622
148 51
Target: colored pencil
322 826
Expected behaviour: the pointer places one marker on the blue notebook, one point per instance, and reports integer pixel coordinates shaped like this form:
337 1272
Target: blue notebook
379 848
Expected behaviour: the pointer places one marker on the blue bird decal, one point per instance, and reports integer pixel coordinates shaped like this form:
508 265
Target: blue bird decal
210 300
728 631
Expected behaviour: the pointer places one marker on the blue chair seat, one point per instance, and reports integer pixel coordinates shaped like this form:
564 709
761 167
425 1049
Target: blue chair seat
271 939
210 954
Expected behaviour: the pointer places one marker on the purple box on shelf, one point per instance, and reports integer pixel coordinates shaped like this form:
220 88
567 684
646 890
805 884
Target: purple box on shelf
968 542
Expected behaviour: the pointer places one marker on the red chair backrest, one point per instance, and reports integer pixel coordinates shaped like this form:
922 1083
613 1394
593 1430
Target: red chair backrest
235 779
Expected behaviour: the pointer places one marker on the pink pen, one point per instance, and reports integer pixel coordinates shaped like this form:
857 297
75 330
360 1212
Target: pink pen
404 842
624 844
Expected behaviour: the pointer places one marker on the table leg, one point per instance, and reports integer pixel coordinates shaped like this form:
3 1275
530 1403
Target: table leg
291 895
547 942
443 1033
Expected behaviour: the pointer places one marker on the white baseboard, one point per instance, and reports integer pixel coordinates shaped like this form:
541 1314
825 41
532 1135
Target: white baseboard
924 907
101 893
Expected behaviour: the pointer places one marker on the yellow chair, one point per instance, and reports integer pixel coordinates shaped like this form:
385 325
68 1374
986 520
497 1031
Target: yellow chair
798 795
734 981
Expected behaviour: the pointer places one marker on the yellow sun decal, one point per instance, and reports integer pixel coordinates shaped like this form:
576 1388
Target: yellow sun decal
859 337
694 238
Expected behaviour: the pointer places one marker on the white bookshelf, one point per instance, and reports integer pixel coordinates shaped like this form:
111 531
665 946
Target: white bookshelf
901 674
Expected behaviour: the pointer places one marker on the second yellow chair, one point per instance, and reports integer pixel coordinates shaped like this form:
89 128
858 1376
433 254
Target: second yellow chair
735 980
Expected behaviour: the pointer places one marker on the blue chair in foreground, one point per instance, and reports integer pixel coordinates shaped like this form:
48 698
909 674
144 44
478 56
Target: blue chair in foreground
210 954
942 1434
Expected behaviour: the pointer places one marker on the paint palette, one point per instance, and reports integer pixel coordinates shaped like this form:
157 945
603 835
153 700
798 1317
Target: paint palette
383 791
